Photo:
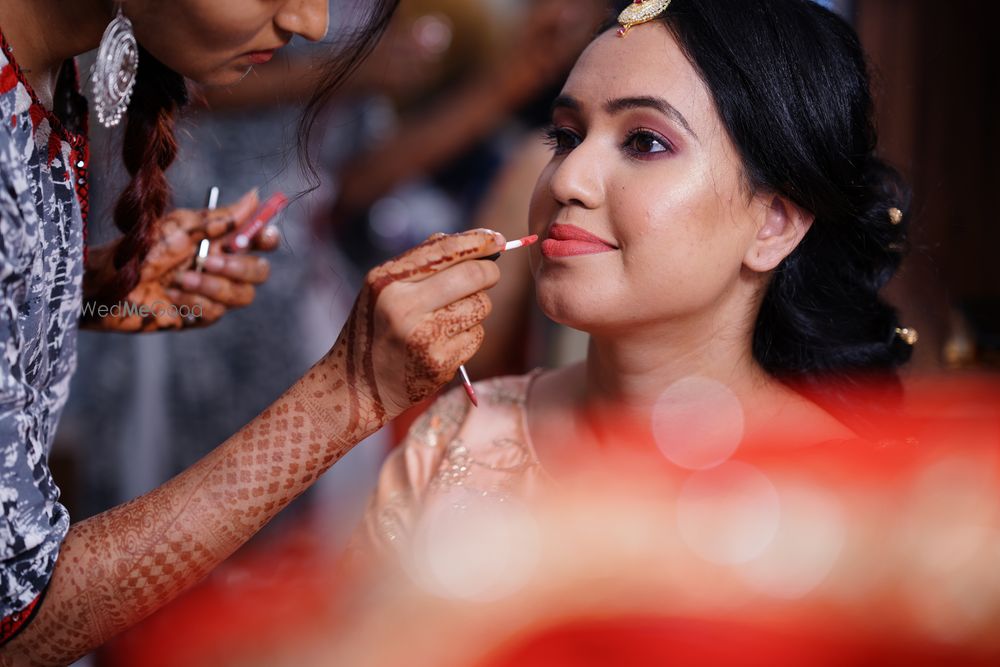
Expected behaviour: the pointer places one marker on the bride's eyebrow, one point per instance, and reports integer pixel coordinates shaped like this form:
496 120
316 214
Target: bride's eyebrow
566 102
616 106
648 102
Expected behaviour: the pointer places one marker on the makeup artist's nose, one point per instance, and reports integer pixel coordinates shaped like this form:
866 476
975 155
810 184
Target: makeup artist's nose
576 181
309 18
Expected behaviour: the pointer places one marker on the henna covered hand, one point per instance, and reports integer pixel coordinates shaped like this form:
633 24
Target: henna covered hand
167 289
416 320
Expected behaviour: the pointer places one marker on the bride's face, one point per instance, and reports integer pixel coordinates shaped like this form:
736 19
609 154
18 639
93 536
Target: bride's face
642 162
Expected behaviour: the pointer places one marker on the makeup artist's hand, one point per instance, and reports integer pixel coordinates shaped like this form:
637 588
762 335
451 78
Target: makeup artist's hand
171 293
417 318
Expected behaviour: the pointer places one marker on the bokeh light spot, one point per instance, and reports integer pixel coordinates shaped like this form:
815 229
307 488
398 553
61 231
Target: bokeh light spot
728 515
433 32
698 423
479 549
810 537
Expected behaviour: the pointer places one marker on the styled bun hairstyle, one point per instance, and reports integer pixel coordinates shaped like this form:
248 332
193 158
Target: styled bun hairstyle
790 82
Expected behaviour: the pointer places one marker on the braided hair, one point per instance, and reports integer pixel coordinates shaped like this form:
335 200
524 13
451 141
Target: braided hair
148 149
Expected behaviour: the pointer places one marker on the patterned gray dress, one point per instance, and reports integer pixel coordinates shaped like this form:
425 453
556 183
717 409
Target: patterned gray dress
42 184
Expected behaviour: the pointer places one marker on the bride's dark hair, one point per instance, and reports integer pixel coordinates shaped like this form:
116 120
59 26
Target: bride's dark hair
791 84
149 146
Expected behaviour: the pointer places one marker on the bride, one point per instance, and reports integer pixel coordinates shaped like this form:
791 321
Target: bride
716 218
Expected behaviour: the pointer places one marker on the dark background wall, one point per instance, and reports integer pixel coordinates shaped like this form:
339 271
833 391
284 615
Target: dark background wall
938 68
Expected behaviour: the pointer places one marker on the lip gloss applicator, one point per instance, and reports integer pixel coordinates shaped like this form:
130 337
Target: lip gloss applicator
245 234
522 242
211 204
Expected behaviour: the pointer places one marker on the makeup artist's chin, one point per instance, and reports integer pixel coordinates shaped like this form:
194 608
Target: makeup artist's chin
229 74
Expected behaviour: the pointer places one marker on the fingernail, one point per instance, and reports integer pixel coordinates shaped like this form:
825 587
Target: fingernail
251 194
497 236
215 263
191 280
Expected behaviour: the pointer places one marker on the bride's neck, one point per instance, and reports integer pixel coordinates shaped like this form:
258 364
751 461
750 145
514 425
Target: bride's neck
632 371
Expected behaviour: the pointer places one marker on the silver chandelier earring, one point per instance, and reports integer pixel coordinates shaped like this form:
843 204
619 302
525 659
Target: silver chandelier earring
114 73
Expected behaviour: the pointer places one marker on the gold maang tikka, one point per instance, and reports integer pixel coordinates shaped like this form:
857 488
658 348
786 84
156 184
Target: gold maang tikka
640 11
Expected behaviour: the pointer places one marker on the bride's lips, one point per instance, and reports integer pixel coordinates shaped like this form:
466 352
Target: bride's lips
570 240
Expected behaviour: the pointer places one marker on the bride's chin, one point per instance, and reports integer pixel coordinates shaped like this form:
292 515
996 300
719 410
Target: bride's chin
573 315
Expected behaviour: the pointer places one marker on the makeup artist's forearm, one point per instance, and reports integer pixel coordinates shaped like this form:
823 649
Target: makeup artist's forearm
118 567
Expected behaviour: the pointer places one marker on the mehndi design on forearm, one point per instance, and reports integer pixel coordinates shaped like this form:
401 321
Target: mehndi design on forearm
118 567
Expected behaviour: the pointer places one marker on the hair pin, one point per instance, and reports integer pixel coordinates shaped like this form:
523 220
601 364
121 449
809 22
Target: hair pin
640 11
908 335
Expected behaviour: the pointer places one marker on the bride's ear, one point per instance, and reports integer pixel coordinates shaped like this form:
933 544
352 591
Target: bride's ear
781 227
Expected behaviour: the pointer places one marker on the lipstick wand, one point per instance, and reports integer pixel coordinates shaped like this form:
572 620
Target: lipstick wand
513 245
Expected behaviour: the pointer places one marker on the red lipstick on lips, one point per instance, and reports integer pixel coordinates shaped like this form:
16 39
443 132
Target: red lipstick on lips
260 57
570 240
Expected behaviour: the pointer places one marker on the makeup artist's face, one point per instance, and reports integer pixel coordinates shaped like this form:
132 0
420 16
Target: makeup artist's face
215 42
641 161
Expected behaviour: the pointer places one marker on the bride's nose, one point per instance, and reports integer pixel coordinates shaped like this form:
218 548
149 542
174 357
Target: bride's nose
577 180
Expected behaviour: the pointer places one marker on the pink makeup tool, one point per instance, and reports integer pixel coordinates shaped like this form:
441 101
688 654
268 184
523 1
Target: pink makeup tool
523 242
244 235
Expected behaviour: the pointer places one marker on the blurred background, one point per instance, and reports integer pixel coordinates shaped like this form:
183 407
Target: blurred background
439 131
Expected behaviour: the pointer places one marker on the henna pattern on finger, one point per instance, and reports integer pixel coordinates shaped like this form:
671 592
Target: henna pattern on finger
443 357
375 399
469 343
428 369
421 262
213 219
451 320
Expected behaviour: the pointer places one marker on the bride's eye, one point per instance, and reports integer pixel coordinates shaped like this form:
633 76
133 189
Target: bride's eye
561 140
646 142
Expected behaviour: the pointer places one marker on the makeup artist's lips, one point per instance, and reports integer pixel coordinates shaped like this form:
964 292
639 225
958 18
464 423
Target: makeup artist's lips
570 240
261 57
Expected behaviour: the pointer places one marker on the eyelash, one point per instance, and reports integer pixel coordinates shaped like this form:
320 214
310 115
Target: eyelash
555 135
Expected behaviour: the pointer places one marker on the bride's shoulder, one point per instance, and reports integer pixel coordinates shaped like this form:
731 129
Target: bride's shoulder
783 417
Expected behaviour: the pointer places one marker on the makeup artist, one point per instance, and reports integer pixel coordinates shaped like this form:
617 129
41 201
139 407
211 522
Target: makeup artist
66 588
